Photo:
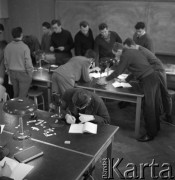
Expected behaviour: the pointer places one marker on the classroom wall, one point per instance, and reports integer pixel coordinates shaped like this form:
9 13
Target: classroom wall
30 14
121 16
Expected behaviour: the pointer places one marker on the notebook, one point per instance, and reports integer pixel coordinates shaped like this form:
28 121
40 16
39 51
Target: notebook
28 154
87 127
122 84
19 170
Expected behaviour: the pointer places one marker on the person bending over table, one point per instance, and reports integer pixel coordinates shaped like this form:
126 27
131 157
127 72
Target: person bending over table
83 106
77 68
138 65
158 66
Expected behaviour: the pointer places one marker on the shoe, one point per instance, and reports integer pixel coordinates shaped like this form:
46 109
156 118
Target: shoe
145 138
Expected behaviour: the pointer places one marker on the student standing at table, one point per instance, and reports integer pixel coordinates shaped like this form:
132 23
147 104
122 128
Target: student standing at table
61 43
18 63
158 66
77 68
46 37
138 65
84 39
83 106
142 38
104 42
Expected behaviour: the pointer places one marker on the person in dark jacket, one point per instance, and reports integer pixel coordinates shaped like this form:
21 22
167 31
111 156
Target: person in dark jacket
83 106
104 42
142 38
158 66
61 43
138 65
84 39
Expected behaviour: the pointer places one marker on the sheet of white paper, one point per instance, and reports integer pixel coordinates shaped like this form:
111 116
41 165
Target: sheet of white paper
90 128
122 76
97 75
76 128
19 170
118 84
1 128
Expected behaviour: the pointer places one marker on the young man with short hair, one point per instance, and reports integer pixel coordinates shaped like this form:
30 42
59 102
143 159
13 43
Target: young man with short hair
84 106
61 43
46 37
18 63
138 65
104 42
84 39
77 68
142 38
158 66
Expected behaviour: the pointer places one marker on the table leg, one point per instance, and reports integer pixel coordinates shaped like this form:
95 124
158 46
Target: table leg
49 92
109 150
138 114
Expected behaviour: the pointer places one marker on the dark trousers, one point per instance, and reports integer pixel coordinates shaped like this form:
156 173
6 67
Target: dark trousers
62 58
151 103
21 82
165 97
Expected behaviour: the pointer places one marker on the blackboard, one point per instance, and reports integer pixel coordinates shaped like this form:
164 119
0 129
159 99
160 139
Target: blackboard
121 16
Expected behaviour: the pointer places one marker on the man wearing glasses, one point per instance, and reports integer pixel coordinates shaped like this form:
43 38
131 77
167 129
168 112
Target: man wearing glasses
83 106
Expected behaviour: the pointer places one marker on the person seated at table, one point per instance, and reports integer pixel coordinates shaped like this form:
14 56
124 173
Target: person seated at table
61 43
83 106
158 66
46 37
3 44
104 42
77 68
84 39
138 65
18 63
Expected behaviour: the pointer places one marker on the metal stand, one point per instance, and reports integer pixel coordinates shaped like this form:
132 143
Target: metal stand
21 134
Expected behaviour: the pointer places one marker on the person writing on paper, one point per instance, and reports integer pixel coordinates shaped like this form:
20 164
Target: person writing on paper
138 65
83 106
5 172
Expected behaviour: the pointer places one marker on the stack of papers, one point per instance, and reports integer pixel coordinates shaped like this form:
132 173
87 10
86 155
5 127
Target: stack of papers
87 127
122 84
97 75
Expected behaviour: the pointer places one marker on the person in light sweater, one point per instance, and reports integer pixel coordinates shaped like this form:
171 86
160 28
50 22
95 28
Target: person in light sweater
18 63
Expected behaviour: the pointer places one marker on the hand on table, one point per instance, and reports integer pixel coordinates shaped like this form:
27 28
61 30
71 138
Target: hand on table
85 118
102 81
5 170
70 119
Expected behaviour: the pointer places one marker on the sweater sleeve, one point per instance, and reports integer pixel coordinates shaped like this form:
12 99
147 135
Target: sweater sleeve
85 73
96 49
77 46
28 61
118 38
123 64
102 115
149 44
70 43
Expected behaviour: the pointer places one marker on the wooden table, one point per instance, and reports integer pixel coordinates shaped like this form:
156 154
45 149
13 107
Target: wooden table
133 94
60 160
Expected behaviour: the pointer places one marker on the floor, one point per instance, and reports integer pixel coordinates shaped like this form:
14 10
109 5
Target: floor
151 154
